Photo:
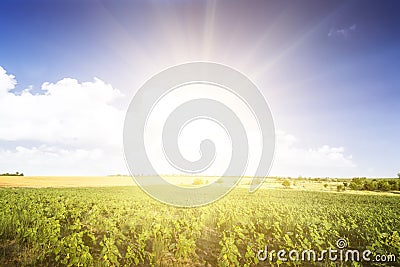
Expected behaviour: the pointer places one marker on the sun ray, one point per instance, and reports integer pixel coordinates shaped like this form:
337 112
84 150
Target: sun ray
296 42
209 26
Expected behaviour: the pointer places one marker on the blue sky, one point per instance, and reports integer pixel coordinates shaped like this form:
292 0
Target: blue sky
329 70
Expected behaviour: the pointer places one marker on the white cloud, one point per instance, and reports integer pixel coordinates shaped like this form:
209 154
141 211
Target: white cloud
7 82
69 113
70 120
342 32
323 161
75 128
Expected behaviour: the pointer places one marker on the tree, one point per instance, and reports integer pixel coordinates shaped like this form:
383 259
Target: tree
198 181
398 175
384 185
12 174
394 184
357 183
370 185
286 184
340 188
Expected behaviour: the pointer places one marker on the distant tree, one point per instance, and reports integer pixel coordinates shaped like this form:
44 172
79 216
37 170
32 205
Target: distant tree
384 185
370 185
198 181
394 184
12 174
398 175
340 188
286 184
345 184
325 185
357 183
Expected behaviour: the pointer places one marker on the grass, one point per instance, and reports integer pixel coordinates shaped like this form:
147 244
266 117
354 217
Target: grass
121 226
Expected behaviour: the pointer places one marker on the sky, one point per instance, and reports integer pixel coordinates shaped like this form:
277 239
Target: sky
329 71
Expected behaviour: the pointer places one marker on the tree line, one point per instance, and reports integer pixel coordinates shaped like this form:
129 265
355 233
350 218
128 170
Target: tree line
12 174
374 184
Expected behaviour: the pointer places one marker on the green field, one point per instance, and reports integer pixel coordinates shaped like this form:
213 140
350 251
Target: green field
121 226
